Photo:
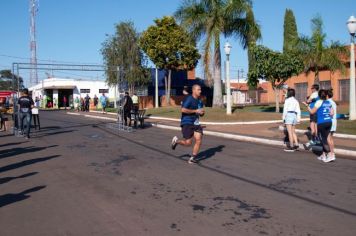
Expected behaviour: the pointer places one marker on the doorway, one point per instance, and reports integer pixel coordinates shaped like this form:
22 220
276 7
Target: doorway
65 93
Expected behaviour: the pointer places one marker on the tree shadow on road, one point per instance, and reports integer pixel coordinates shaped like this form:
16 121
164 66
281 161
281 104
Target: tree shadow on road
11 144
40 135
26 163
8 179
20 150
11 198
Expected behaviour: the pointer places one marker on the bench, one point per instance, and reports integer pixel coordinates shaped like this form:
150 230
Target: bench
138 116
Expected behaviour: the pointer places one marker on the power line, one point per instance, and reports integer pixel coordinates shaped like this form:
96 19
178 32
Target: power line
48 60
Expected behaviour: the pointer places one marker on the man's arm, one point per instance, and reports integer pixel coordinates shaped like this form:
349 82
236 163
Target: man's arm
188 111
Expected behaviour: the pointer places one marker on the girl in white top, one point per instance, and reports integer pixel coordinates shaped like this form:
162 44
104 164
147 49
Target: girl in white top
291 116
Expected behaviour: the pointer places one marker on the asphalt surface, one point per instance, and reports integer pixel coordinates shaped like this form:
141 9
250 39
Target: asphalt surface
78 177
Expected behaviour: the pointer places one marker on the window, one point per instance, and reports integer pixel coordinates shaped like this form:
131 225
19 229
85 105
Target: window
344 86
301 91
84 90
103 90
325 84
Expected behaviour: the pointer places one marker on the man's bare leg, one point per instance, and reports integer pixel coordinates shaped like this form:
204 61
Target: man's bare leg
198 139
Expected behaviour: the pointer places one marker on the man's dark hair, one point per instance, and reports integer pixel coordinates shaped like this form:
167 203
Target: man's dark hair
25 91
323 94
330 93
126 93
316 87
290 93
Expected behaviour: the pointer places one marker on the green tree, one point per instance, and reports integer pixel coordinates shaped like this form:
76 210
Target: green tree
274 67
290 32
6 81
207 20
169 47
122 50
317 54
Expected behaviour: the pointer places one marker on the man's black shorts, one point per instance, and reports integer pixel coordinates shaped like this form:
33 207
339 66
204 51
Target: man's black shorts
188 130
313 118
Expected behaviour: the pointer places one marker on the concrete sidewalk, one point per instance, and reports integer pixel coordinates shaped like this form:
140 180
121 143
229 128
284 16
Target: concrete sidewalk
268 134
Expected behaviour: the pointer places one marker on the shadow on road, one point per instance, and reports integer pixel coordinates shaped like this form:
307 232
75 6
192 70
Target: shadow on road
18 151
8 179
11 198
11 144
209 153
40 135
26 163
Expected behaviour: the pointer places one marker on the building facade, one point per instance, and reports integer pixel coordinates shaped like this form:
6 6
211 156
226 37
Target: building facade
55 89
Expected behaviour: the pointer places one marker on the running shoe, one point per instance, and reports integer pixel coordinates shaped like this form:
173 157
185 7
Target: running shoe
296 147
329 159
174 142
322 157
289 149
192 160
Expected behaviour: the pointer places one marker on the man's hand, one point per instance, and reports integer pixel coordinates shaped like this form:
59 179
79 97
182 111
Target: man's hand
200 112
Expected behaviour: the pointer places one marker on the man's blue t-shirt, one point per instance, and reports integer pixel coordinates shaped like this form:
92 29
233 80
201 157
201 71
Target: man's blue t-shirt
191 103
103 100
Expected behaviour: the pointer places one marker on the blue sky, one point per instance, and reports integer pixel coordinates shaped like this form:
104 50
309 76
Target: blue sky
73 30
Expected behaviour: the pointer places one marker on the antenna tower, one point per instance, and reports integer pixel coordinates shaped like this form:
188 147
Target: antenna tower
33 13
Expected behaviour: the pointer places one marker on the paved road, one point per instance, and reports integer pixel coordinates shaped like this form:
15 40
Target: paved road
76 177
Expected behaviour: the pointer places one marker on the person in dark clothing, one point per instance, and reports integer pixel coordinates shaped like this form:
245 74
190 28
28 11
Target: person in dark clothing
65 102
127 107
87 103
96 101
25 104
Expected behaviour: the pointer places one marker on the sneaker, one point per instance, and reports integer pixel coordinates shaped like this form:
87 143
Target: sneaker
296 147
174 142
322 157
307 146
329 159
289 149
192 160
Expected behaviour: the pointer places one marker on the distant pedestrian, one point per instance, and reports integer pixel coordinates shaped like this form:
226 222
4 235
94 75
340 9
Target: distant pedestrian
135 102
103 101
76 103
25 104
192 109
87 102
323 109
127 107
334 124
65 102
313 98
82 104
96 102
291 117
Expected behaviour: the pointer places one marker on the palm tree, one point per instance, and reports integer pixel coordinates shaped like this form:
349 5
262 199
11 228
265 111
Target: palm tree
207 20
317 54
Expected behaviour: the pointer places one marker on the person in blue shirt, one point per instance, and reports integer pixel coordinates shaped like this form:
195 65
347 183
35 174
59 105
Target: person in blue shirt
103 101
324 111
192 109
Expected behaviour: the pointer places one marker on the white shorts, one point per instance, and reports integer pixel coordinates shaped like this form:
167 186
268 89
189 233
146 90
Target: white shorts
290 119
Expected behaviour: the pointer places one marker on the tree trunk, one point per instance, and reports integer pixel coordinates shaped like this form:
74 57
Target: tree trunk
166 89
217 98
316 79
169 87
277 92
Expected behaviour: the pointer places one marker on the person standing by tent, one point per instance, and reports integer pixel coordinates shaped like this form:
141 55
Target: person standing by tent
127 108
87 103
25 104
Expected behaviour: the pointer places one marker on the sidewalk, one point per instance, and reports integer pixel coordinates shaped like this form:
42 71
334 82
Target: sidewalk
261 133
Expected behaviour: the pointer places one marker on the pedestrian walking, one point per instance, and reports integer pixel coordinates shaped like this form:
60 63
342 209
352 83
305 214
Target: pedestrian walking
127 106
334 124
324 111
192 109
103 101
87 102
135 102
96 99
313 98
25 104
291 117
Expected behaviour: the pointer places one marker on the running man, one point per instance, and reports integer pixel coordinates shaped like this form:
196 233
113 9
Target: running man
192 109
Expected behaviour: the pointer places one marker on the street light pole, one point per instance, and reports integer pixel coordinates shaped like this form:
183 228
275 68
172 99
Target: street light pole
351 24
227 49
156 89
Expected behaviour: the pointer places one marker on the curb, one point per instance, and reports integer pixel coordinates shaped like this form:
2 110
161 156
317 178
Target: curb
236 137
